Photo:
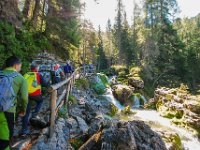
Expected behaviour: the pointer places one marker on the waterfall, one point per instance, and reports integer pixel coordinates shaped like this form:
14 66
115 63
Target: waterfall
136 101
109 96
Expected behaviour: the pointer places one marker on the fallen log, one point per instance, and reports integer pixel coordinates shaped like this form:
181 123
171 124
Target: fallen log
92 140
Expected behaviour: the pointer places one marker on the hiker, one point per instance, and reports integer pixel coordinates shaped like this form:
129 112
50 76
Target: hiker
57 73
13 95
91 68
68 69
35 81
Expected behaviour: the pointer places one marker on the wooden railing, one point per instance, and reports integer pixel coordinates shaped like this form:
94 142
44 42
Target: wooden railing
57 102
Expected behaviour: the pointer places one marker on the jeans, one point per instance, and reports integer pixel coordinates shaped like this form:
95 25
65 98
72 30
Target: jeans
57 79
38 99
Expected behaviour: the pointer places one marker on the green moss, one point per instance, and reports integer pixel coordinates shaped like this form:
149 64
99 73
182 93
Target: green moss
170 113
175 140
82 83
116 69
76 143
113 110
104 79
63 112
101 86
98 88
127 110
72 99
123 80
135 71
150 106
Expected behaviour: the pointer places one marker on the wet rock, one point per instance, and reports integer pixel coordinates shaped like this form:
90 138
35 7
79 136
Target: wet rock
136 82
123 93
151 103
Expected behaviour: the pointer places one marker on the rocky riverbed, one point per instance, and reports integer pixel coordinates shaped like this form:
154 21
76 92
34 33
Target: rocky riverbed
97 121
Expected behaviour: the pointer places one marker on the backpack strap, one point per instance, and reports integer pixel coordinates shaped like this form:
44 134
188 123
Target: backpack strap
13 75
1 73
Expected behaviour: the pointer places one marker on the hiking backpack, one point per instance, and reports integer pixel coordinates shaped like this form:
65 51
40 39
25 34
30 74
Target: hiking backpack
7 94
31 78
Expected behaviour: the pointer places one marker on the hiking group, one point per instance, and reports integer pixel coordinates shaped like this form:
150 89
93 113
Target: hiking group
17 94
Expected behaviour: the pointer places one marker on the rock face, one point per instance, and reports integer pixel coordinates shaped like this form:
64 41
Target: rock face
123 93
59 141
136 82
133 135
180 105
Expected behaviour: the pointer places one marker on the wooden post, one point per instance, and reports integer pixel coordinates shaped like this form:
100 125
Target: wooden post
71 85
53 108
68 90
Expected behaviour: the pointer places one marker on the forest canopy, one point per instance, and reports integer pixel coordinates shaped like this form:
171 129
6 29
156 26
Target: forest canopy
166 48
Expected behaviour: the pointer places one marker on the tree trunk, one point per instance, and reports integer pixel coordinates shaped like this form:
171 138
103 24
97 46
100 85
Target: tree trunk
50 14
36 13
43 14
26 8
9 12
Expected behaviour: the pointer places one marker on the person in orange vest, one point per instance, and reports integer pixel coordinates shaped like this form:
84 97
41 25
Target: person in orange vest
34 80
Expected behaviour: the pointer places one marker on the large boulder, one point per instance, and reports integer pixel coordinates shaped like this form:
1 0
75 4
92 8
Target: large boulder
123 93
136 82
131 135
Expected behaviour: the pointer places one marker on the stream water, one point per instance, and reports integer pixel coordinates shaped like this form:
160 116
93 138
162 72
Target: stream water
156 122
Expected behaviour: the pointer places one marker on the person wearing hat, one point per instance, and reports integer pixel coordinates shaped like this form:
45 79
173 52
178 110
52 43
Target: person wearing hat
35 82
19 86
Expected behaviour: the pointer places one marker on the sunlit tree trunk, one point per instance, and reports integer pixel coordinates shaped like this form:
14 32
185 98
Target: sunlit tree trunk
26 9
36 13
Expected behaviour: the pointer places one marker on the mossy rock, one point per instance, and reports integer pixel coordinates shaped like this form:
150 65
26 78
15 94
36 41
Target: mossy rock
151 104
113 110
127 110
174 140
136 82
123 93
170 113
